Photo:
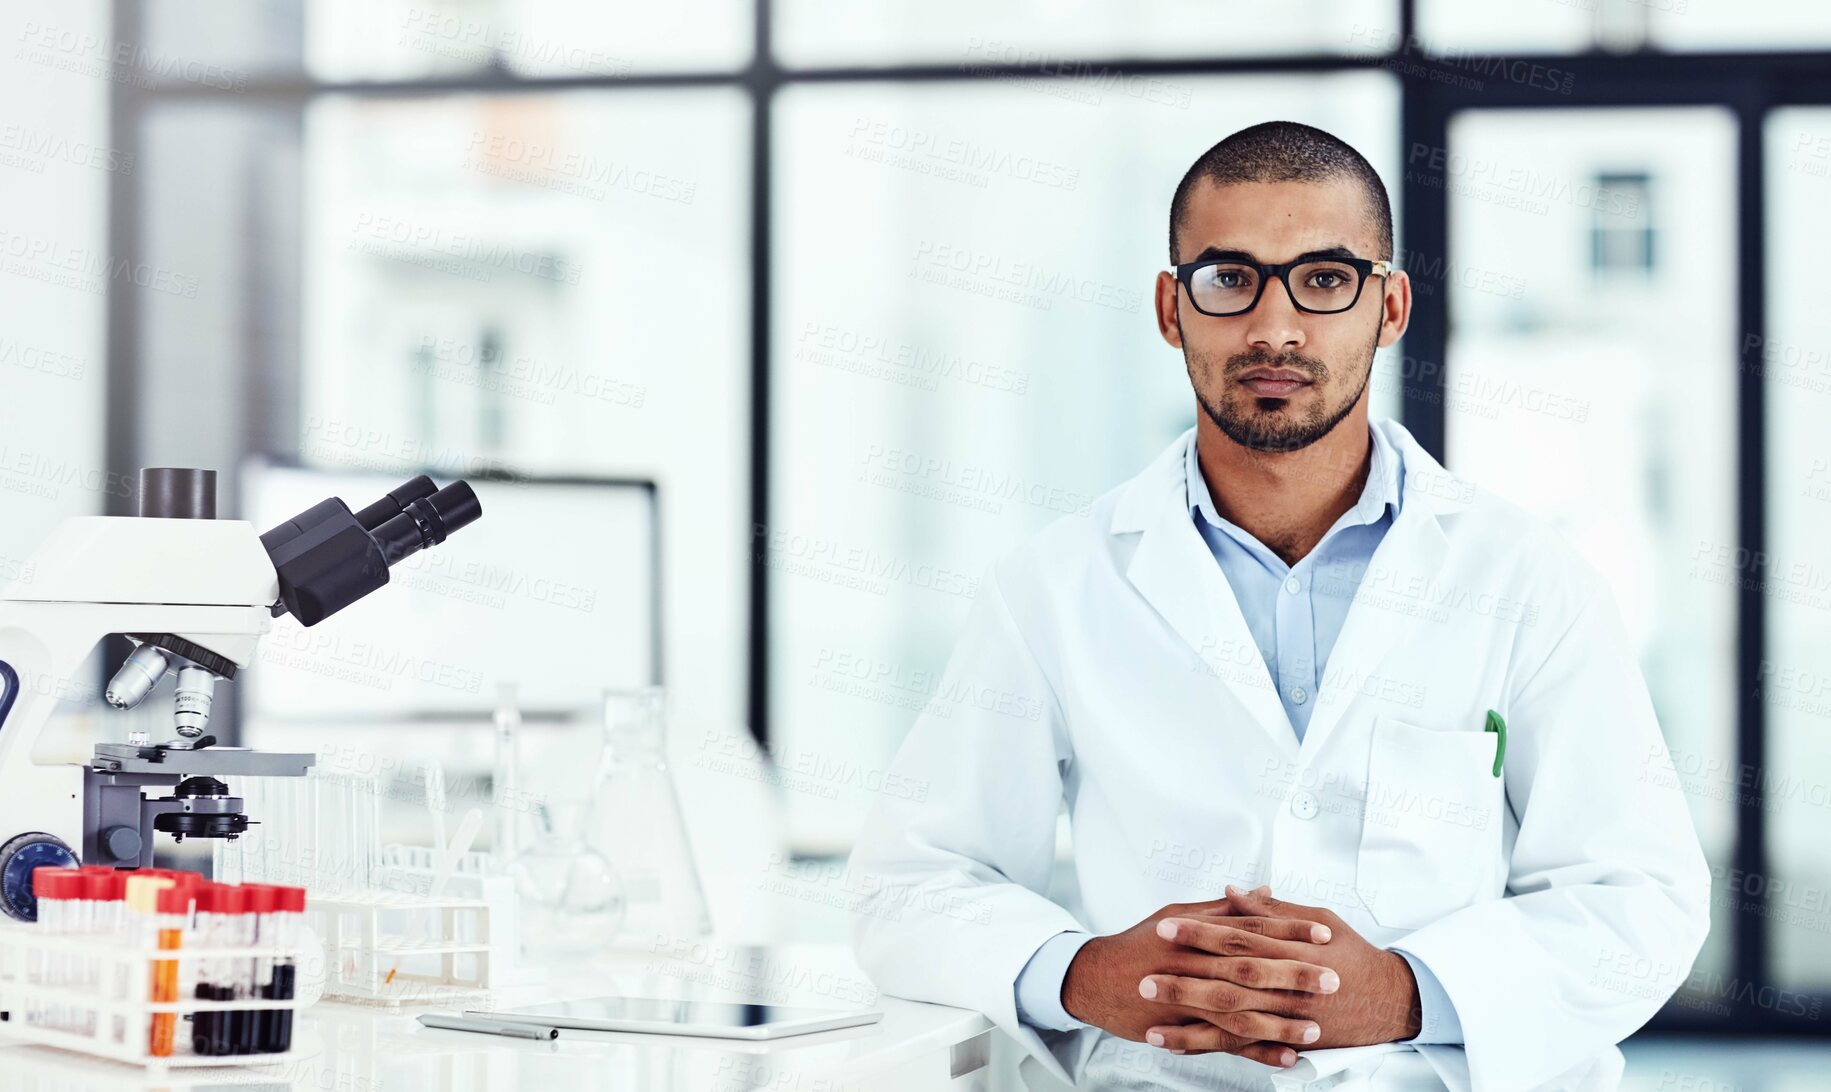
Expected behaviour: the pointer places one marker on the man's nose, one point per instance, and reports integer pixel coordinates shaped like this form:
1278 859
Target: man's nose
1275 323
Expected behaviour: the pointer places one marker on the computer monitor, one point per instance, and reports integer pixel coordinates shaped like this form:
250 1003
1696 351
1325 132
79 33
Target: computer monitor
556 589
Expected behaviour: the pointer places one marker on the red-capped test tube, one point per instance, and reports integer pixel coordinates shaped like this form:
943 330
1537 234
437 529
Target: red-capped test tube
56 891
258 925
105 888
220 908
173 919
287 920
96 917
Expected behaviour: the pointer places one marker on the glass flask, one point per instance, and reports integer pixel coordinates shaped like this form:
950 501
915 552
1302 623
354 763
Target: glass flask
637 824
571 901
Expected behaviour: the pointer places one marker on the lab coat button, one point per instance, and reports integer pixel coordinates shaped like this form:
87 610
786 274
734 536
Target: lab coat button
1303 805
1293 585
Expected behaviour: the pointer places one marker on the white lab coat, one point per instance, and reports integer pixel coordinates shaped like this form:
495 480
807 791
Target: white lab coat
1107 665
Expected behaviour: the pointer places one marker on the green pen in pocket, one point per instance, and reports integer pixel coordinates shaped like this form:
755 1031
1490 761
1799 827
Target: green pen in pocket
1499 728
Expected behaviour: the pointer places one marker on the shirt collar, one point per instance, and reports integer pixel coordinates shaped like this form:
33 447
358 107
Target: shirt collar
1381 491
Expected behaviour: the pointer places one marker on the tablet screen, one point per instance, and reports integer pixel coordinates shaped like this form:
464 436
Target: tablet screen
655 1010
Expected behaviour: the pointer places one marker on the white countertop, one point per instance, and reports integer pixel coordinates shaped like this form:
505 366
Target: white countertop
370 1049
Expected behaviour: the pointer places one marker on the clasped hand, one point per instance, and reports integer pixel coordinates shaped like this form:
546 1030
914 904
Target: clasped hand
1248 974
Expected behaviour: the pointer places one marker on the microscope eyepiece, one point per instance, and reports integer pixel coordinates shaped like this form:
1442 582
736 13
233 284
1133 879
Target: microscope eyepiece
328 557
168 492
427 522
395 502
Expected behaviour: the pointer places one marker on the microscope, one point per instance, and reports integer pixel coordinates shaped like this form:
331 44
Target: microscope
194 594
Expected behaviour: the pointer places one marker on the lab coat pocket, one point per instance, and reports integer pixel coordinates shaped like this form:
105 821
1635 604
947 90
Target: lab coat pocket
1430 841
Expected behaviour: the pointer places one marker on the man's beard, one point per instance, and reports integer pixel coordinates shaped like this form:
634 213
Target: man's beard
1269 430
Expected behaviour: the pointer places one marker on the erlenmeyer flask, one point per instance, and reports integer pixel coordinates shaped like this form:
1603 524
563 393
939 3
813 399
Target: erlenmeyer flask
636 822
571 902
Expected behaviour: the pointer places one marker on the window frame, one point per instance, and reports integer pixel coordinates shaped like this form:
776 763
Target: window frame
1749 83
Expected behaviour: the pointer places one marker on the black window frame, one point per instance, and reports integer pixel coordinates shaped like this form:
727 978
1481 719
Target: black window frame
1750 84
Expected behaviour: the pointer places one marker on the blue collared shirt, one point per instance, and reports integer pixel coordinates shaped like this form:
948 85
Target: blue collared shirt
1295 613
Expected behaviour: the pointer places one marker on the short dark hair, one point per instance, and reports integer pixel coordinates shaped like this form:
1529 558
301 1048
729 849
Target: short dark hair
1285 151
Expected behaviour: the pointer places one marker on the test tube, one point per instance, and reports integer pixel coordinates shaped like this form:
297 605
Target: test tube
219 907
147 900
257 931
327 867
275 841
371 832
282 836
254 849
288 911
92 920
53 888
79 920
111 921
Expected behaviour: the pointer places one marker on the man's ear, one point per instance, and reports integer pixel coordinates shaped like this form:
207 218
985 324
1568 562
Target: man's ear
1169 322
1395 309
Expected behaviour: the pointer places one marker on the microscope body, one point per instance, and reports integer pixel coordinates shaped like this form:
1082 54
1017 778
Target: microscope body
195 594
207 582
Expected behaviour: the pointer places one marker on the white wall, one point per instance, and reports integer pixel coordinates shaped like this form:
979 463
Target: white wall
54 169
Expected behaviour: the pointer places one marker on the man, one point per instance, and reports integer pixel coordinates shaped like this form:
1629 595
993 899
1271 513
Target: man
1294 655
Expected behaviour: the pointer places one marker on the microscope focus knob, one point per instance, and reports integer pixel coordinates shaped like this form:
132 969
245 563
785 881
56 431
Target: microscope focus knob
20 856
122 843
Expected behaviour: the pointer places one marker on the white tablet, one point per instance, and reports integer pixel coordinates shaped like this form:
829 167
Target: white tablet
716 1019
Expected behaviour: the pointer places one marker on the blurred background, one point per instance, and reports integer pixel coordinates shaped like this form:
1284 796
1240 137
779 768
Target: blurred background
755 311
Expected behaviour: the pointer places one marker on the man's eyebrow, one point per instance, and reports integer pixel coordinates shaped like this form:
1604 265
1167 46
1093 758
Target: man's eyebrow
1222 254
1325 253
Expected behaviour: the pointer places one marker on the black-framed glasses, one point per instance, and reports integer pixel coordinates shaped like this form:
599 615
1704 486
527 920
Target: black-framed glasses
1321 286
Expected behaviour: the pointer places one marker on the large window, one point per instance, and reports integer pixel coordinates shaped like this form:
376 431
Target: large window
1794 688
1572 26
962 355
1591 380
545 284
837 298
1069 44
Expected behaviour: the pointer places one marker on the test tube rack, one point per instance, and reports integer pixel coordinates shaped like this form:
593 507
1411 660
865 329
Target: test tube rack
373 956
108 1014
477 875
